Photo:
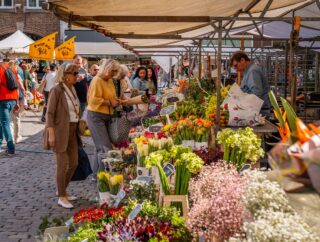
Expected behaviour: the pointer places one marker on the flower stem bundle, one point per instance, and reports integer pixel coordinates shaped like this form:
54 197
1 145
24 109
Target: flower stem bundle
240 146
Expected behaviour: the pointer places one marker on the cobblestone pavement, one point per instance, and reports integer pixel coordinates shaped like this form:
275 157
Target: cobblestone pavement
27 185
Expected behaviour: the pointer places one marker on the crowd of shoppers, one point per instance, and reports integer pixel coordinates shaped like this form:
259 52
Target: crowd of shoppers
70 90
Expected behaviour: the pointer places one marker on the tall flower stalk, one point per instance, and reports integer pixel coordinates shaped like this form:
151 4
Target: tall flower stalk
240 146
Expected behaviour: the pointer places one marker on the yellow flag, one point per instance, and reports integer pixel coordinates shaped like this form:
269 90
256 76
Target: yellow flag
66 50
43 49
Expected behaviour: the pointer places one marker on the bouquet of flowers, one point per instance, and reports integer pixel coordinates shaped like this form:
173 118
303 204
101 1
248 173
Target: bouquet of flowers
108 183
240 146
202 129
186 163
263 194
213 105
217 206
142 149
157 159
159 144
141 191
188 108
278 227
191 128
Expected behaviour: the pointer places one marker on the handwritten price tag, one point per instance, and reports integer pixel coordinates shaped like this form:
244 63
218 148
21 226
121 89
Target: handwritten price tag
135 212
121 195
167 110
168 169
146 179
155 128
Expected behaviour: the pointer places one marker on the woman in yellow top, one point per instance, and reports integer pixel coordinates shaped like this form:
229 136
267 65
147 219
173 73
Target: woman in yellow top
102 100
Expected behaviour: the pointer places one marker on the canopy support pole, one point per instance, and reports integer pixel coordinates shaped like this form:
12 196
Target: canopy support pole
286 70
199 66
218 82
317 73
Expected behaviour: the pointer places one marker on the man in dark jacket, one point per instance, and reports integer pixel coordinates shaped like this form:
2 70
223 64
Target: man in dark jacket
82 83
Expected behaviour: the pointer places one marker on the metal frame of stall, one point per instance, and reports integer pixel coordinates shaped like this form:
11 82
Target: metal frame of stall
215 22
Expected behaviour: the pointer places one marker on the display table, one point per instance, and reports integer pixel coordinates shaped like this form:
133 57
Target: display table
268 127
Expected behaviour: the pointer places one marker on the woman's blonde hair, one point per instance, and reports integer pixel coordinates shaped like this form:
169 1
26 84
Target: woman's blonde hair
12 64
123 72
65 68
107 65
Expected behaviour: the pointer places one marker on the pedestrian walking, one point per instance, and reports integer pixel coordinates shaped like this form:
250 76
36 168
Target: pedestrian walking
15 115
48 82
8 101
61 130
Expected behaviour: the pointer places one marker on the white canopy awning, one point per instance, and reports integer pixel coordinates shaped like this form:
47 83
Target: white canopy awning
100 49
18 42
138 23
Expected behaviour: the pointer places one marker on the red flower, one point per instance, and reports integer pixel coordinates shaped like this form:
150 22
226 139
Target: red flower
225 106
235 108
236 118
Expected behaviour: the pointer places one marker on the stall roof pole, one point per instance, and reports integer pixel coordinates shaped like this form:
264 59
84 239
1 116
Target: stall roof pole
199 67
286 71
317 73
219 75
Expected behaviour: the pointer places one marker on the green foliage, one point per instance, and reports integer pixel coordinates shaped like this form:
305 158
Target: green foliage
170 215
291 115
86 232
189 108
47 223
142 191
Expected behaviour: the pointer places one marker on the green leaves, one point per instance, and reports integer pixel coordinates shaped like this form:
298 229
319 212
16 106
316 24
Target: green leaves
276 108
291 115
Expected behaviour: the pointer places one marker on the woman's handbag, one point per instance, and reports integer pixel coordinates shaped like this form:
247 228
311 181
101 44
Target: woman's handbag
84 168
118 129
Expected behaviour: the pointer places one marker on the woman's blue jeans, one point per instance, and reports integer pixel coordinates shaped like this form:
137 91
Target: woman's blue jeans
6 107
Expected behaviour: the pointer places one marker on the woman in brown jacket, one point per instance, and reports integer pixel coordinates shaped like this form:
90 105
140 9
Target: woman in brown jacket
61 132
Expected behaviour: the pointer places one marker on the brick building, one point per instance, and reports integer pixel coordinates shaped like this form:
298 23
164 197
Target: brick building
27 16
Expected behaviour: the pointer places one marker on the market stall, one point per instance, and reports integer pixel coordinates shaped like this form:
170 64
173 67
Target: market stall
185 173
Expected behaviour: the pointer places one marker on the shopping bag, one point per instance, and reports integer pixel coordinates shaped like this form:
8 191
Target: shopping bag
84 168
244 109
118 129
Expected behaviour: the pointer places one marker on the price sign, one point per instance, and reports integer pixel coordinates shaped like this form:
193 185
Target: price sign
172 98
121 195
146 179
245 167
115 154
135 212
155 128
167 110
69 222
168 169
153 106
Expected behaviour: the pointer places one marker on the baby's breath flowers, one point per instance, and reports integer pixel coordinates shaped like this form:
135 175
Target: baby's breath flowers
217 206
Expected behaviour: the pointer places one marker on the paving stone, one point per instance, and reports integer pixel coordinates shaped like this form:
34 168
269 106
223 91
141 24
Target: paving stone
27 190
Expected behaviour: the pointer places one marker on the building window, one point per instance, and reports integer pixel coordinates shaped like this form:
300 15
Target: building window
34 4
6 3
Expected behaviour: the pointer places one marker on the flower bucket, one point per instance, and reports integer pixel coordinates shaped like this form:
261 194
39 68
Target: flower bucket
142 171
106 197
188 143
155 175
313 172
200 145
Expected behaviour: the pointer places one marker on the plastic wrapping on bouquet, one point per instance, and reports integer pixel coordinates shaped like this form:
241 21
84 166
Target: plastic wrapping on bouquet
188 143
200 145
142 171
